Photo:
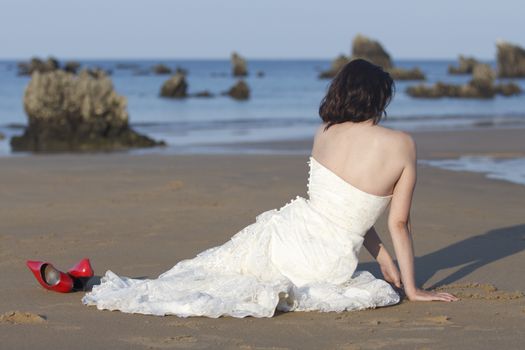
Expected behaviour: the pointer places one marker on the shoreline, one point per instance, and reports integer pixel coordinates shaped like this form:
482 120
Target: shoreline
432 144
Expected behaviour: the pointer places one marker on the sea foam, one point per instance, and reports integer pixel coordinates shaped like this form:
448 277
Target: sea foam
511 170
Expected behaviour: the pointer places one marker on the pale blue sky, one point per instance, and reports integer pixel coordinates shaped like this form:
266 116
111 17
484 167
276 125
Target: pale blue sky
257 29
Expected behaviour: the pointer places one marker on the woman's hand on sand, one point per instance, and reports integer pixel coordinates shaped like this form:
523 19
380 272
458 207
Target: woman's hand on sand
391 272
424 295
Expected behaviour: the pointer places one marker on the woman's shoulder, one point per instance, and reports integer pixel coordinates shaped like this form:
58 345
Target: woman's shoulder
390 137
402 138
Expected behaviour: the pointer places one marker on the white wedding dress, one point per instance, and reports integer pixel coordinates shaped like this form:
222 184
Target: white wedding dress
301 257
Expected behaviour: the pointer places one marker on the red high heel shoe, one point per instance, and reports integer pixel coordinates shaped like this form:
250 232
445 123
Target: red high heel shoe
51 278
81 273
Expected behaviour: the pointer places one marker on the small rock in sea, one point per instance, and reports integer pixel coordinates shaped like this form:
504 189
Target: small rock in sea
239 66
203 94
406 74
481 86
2 136
509 89
239 91
71 66
260 74
161 69
175 87
511 60
81 112
465 66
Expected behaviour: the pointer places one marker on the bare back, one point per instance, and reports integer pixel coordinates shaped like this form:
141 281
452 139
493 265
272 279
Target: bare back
369 157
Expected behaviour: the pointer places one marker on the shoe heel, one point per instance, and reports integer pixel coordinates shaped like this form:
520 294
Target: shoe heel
80 283
82 269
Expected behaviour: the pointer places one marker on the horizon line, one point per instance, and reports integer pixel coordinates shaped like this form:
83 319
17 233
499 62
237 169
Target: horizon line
211 58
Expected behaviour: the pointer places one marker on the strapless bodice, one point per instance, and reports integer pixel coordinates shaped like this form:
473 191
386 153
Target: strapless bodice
341 202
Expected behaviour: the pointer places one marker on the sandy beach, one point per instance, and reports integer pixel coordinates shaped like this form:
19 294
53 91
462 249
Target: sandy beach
139 215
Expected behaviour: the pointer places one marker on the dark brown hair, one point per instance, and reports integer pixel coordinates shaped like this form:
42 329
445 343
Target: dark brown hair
359 92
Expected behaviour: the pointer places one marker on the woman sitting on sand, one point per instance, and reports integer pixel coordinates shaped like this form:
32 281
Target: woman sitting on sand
303 256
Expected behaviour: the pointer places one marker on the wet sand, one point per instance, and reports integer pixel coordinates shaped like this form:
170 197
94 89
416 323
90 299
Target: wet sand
139 215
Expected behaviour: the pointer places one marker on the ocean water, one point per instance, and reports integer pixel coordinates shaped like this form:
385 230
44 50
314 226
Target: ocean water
283 104
511 170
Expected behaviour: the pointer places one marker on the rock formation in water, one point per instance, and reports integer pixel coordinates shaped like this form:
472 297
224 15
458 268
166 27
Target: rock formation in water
239 91
373 51
481 86
2 136
51 64
511 60
38 65
161 69
202 94
175 87
70 112
239 66
406 74
465 66
336 65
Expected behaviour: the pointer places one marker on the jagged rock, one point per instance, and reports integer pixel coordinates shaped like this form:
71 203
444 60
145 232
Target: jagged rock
370 50
203 94
175 87
239 91
406 74
511 60
2 136
239 67
481 86
70 112
338 63
161 69
38 65
483 76
71 66
466 65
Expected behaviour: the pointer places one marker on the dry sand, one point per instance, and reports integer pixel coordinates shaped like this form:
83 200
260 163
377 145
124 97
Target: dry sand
139 215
